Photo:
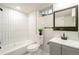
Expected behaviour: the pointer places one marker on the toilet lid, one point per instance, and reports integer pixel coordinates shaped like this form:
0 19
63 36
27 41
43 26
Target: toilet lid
33 46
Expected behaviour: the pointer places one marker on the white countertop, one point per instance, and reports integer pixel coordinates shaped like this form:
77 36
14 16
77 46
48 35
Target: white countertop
68 42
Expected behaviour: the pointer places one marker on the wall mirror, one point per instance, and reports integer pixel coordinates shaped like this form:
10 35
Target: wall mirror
66 19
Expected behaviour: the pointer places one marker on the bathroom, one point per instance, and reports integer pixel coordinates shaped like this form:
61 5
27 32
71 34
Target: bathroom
28 28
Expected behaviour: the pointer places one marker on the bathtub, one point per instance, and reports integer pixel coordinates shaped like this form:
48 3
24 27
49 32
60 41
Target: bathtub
16 49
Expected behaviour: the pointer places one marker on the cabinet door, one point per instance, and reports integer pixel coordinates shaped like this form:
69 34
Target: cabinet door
55 49
69 51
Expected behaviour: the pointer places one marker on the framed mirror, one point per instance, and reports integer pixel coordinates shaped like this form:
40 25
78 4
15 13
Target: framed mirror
66 19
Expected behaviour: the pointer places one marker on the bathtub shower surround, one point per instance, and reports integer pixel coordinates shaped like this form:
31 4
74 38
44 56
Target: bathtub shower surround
13 27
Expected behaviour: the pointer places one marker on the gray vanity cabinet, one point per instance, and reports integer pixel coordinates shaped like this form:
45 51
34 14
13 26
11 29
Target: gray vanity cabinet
55 49
58 49
66 50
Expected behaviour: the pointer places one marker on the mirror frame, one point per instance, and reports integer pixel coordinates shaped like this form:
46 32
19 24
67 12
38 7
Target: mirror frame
69 28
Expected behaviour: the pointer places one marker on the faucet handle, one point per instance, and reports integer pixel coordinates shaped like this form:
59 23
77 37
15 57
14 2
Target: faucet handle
64 34
64 37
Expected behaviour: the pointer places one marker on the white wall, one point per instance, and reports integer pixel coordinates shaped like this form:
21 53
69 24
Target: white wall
32 25
59 6
44 21
13 26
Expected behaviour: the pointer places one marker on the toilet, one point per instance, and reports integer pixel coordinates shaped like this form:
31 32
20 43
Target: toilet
35 45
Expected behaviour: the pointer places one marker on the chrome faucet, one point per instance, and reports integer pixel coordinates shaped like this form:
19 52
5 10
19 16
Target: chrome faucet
64 37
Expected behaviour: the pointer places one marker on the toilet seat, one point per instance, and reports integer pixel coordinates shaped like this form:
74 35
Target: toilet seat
33 47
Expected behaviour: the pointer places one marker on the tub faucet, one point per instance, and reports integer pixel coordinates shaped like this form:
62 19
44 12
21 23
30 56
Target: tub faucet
64 37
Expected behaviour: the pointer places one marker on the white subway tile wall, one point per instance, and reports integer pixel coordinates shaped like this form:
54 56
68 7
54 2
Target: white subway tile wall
13 26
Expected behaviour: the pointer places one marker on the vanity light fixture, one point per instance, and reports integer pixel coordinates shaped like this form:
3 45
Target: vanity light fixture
47 11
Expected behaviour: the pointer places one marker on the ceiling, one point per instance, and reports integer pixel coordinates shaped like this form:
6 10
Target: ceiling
27 7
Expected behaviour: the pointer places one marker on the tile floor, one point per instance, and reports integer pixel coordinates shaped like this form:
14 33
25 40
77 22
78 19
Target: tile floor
38 52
